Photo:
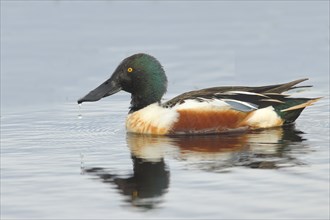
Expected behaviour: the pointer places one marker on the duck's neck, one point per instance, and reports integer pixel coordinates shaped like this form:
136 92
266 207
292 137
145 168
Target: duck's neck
148 90
139 102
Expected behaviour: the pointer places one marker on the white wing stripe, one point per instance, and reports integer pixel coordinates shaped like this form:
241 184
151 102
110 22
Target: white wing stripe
244 93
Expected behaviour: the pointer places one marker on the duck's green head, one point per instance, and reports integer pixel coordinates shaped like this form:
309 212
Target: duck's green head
141 75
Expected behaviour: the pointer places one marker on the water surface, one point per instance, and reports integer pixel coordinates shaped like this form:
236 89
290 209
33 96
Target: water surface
65 162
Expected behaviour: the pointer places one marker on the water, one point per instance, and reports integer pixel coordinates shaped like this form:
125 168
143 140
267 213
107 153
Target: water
60 160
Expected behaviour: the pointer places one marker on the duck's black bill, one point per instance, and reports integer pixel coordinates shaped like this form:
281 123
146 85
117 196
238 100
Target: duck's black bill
109 87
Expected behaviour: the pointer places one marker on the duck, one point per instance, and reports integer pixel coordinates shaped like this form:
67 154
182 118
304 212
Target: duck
214 110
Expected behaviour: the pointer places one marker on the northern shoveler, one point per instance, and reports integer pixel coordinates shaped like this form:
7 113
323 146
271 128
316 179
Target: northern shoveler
205 111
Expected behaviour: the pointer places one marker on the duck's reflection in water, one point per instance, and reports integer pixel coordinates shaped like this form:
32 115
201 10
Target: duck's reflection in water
143 188
266 149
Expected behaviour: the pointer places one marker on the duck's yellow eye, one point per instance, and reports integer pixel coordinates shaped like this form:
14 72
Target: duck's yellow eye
130 69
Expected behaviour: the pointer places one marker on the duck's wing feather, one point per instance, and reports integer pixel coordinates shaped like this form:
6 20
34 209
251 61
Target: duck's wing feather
257 97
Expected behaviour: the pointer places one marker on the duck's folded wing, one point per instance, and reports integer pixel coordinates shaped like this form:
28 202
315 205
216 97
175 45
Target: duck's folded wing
257 97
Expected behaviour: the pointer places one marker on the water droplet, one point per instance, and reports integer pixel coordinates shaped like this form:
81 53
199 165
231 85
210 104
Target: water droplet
82 164
79 114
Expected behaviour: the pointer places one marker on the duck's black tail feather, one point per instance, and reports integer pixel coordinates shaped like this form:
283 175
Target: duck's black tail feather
291 109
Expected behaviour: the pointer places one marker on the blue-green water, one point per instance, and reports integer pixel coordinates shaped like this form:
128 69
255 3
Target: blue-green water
59 161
